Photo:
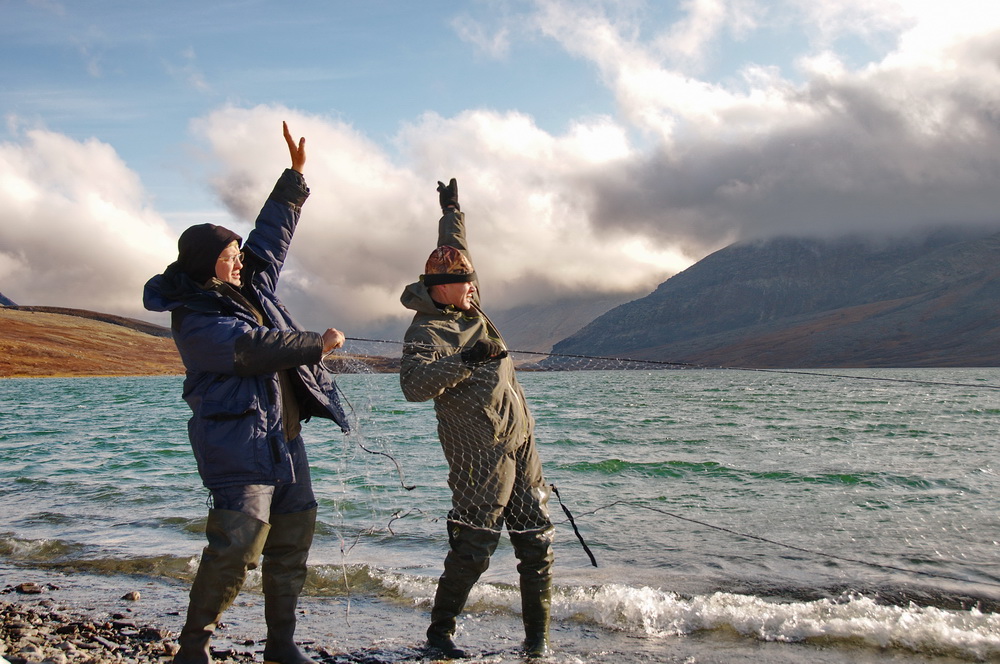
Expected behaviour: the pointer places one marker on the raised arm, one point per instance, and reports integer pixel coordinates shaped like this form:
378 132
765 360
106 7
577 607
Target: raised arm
279 217
451 226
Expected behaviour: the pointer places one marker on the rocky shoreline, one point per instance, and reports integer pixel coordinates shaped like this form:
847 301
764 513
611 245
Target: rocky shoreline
52 622
45 631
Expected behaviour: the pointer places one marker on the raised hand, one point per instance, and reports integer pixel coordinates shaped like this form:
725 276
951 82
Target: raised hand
297 151
448 195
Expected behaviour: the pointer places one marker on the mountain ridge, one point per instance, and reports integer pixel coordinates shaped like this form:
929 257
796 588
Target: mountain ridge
796 302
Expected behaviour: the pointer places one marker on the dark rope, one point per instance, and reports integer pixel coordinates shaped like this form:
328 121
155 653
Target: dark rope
572 522
689 365
398 515
399 469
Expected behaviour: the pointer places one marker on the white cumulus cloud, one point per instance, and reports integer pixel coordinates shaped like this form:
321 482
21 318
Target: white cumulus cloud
75 227
371 219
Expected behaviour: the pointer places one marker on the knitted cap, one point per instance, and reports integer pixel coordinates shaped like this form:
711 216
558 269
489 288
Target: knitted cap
199 247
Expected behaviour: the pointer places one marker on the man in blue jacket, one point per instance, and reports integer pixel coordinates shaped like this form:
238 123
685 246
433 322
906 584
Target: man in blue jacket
253 376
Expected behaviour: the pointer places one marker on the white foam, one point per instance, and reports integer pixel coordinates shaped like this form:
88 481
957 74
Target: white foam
656 612
484 596
33 549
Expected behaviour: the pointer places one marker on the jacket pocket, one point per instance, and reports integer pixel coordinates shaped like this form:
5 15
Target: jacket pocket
226 435
230 409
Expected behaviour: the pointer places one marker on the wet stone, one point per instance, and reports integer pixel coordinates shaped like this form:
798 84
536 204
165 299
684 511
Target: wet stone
30 651
84 645
22 632
104 642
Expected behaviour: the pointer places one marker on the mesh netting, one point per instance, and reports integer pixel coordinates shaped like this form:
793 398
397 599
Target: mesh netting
485 428
803 459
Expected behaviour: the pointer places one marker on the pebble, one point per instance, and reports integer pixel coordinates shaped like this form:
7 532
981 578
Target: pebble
40 630
45 633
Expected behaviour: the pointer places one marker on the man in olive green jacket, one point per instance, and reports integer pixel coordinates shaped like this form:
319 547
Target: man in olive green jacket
454 355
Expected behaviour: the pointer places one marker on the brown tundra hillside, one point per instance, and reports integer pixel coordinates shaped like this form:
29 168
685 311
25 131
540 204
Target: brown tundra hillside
45 341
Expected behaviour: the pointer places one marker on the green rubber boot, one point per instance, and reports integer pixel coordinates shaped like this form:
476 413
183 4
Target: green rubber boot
534 553
235 541
467 559
283 575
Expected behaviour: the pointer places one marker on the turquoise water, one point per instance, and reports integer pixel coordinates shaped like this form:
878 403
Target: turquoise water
855 509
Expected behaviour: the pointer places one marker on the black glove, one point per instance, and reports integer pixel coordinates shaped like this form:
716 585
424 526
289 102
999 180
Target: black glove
482 351
448 195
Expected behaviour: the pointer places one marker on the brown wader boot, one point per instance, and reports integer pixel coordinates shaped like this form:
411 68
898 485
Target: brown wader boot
235 541
283 575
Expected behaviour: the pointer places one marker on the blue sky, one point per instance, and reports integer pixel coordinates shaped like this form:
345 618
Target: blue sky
600 145
134 74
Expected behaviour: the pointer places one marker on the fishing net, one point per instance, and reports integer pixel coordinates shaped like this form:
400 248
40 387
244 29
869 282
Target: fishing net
795 461
484 424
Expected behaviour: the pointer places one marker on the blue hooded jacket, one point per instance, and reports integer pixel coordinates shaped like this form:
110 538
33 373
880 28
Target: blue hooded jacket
233 359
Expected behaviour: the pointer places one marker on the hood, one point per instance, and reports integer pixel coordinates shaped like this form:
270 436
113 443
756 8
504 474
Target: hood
416 297
167 291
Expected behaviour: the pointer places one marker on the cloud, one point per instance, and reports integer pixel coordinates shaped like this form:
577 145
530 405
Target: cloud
906 141
371 221
688 41
75 228
494 44
886 121
188 71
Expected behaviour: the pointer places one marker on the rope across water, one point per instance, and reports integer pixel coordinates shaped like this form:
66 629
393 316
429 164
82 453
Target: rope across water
689 365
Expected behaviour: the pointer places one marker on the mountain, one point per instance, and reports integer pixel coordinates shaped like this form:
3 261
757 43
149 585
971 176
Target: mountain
131 323
532 327
48 341
58 341
537 327
796 302
6 301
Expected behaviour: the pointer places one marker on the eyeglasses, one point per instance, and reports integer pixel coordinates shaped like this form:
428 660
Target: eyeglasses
238 257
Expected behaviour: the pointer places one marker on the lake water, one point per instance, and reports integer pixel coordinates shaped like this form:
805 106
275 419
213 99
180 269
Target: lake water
733 515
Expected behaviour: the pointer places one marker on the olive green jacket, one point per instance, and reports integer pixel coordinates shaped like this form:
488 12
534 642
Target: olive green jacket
476 406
